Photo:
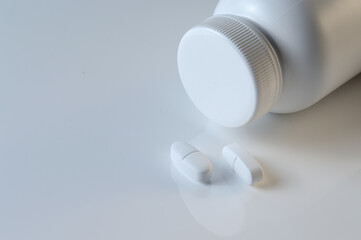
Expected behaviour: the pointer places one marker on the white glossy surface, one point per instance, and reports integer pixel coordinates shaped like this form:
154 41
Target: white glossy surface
90 102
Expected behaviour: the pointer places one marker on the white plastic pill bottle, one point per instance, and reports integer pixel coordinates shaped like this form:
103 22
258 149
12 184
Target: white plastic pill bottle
259 56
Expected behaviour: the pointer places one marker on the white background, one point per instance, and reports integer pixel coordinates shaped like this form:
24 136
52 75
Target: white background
90 101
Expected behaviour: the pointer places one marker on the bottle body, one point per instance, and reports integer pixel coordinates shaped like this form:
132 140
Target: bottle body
319 42
282 56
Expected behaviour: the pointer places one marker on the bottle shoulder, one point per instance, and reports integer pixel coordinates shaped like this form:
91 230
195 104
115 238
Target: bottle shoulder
273 16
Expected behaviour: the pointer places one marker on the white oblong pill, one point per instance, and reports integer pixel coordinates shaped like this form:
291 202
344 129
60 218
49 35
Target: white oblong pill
180 150
242 163
190 162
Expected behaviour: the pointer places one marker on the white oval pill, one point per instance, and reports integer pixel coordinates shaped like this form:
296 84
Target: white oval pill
190 162
242 163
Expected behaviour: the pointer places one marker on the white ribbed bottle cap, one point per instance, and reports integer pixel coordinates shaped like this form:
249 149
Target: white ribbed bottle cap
229 70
